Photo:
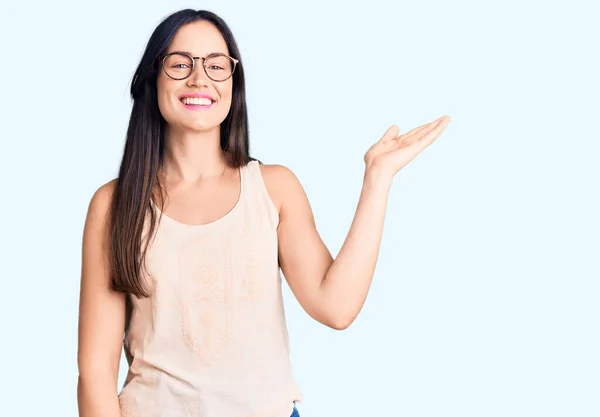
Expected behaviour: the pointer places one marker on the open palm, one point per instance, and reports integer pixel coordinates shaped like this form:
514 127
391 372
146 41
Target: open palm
392 152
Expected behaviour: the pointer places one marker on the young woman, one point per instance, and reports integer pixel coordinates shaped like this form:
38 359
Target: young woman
182 251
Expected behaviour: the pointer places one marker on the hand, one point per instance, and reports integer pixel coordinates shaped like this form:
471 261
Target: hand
392 152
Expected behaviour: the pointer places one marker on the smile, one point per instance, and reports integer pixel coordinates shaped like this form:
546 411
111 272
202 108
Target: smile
197 103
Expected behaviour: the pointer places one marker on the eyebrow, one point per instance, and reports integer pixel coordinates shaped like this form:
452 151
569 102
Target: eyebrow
189 53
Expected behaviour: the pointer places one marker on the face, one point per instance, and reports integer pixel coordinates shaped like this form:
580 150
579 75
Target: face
199 39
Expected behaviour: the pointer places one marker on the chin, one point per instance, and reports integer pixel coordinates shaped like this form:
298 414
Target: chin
202 126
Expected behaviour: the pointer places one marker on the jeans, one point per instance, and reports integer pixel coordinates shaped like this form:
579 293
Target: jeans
295 413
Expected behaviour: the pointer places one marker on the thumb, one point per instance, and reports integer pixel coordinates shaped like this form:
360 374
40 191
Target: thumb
390 134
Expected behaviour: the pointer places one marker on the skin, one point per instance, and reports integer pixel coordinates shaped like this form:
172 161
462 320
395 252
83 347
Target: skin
334 291
202 189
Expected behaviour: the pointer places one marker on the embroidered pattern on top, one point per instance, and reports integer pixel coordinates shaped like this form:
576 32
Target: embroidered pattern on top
204 271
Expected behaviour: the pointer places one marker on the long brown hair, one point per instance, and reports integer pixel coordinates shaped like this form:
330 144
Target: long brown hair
144 150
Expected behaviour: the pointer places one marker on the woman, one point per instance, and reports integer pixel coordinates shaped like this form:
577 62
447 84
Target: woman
182 251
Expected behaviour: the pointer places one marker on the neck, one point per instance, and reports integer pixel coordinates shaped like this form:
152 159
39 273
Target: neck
192 156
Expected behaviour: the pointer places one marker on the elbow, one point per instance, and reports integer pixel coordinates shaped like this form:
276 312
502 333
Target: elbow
339 326
335 316
89 377
341 323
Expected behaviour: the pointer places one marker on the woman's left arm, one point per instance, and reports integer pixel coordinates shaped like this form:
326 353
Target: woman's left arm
334 291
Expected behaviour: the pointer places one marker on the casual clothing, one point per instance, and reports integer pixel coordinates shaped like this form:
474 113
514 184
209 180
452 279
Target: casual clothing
212 339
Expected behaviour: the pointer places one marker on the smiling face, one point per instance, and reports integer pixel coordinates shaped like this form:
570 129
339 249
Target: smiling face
199 39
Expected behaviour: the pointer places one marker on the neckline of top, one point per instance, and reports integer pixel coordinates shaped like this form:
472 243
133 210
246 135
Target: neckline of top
222 219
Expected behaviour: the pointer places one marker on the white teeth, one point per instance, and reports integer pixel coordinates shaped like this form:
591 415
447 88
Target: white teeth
197 101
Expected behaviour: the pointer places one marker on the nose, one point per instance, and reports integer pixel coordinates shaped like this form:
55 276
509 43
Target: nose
198 76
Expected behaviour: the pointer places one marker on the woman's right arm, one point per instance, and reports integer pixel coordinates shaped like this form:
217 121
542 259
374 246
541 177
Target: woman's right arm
101 317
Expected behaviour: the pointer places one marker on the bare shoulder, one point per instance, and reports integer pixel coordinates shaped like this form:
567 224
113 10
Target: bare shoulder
280 182
99 204
105 191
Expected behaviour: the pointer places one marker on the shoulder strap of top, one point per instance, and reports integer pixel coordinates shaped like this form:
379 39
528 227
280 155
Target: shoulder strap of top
257 193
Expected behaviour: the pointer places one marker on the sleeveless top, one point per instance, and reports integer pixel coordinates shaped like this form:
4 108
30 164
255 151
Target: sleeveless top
212 340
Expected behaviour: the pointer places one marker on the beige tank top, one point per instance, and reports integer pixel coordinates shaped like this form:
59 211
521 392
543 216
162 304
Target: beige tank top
212 339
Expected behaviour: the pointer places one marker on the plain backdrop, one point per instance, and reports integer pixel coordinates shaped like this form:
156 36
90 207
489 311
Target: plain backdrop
485 300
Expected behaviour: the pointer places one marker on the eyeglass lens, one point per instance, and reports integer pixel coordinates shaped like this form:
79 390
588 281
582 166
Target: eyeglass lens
179 66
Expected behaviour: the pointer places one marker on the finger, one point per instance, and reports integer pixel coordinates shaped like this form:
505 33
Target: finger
428 138
390 134
430 135
424 129
420 128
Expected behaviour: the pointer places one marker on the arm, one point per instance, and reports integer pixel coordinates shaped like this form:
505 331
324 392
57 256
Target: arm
331 292
101 318
334 291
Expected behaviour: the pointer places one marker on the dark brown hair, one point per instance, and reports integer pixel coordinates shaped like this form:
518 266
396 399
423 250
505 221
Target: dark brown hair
144 150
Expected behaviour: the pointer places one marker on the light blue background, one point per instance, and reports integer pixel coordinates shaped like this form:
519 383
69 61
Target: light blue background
485 300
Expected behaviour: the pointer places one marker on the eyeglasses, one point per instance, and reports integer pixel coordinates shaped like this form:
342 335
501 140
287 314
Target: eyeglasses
180 65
